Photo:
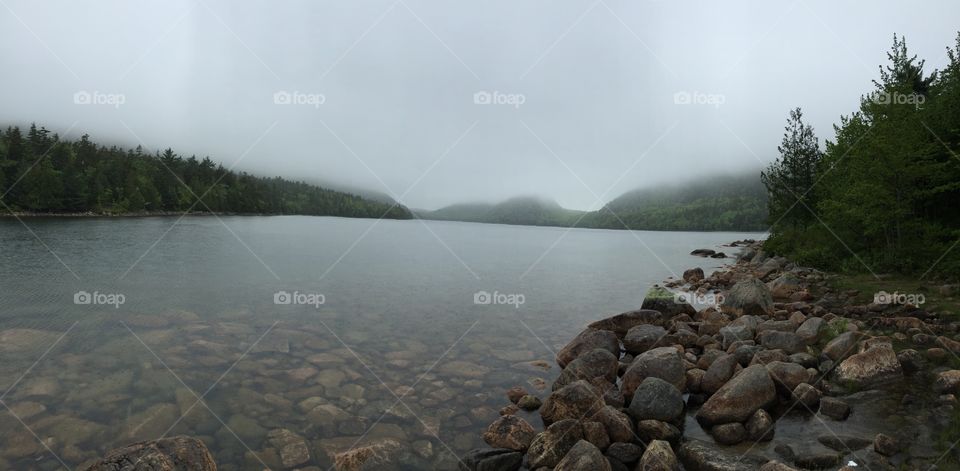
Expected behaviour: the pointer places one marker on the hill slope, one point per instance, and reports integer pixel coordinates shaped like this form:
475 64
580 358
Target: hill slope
525 210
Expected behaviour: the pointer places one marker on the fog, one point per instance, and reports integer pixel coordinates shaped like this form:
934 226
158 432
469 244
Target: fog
436 103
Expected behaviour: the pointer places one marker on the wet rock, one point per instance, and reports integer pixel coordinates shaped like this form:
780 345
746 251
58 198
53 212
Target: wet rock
885 445
807 395
736 401
491 459
947 382
595 363
643 337
703 252
509 432
509 410
583 457
760 427
293 448
153 422
697 455
596 434
834 408
622 323
784 286
811 330
586 341
167 454
875 366
720 371
804 359
787 376
695 380
375 455
910 360
656 399
626 453
648 430
841 346
659 456
729 434
574 401
693 275
816 459
551 445
949 344
735 333
515 393
618 424
748 297
776 466
843 443
662 362
529 402
789 342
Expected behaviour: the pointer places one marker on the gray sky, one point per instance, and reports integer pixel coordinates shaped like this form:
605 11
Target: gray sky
584 93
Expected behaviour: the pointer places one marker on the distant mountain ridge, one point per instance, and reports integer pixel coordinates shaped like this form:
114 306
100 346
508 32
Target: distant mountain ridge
721 203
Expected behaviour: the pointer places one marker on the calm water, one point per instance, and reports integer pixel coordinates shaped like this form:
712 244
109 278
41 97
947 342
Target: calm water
398 349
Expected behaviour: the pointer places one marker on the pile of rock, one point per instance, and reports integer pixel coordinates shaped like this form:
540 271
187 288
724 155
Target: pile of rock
629 382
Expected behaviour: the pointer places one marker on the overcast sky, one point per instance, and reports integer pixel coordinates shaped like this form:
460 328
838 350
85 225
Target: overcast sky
578 100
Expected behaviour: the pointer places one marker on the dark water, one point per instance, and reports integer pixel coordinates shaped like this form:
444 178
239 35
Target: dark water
398 350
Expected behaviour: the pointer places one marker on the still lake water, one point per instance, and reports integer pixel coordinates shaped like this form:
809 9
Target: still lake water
398 350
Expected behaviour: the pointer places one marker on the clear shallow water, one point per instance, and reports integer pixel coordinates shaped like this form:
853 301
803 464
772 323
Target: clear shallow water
399 348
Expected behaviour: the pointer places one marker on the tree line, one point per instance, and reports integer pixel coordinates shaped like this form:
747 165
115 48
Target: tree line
885 193
42 173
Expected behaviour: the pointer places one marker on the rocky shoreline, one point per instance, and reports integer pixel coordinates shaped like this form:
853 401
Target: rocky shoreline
785 373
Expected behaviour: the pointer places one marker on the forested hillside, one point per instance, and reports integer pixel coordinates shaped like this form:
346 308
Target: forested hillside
884 194
41 173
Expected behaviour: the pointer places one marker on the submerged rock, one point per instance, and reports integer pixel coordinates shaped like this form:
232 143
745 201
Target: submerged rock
167 454
490 459
510 432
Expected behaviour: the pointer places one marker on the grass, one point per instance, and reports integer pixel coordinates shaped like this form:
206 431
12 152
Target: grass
947 306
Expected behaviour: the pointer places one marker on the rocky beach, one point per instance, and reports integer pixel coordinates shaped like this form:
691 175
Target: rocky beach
783 372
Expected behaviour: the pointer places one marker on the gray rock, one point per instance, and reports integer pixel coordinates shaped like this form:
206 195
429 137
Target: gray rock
720 371
662 300
748 297
587 341
622 323
583 457
736 401
789 342
551 445
643 337
843 443
834 408
877 365
735 333
807 395
659 456
663 362
491 459
811 330
885 445
760 427
510 432
729 434
618 424
626 453
787 376
648 430
576 400
656 399
841 346
697 455
595 363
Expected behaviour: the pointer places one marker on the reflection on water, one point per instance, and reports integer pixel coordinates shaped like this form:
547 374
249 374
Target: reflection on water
398 355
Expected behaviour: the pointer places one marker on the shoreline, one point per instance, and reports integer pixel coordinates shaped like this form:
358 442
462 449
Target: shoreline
734 386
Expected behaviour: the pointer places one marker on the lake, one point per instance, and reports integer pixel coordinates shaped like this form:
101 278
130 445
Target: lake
344 332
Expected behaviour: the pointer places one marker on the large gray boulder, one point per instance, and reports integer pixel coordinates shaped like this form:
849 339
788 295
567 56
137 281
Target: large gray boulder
593 364
811 329
659 457
551 445
577 400
663 300
748 297
621 323
584 456
656 399
877 365
841 346
643 337
736 401
662 362
586 341
719 372
166 454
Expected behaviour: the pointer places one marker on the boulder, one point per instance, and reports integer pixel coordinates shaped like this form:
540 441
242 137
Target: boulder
621 323
698 455
551 445
748 297
662 362
787 376
807 395
643 337
811 330
583 457
656 399
663 300
595 363
760 427
491 459
841 346
729 434
885 445
834 408
735 333
784 286
947 382
693 275
618 424
293 449
510 432
776 466
648 430
736 401
596 434
789 342
586 341
659 457
577 400
626 453
166 454
720 371
874 366
703 252
529 402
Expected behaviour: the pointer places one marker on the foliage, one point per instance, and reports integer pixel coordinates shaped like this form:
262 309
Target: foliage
42 173
886 189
